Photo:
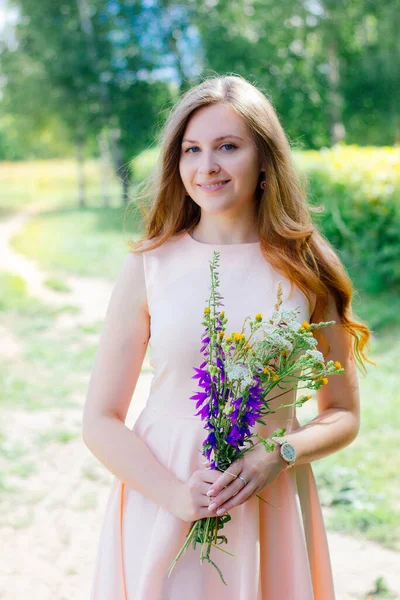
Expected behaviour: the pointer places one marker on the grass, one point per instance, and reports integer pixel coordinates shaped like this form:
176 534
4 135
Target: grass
46 372
57 436
87 502
91 328
86 242
24 469
14 299
360 485
83 241
57 284
26 182
380 591
48 375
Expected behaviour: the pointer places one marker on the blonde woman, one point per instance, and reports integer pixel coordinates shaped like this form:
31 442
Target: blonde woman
225 181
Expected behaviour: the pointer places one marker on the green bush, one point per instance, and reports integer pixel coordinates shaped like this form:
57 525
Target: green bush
360 191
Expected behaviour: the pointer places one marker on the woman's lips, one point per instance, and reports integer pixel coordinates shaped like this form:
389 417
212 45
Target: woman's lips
214 188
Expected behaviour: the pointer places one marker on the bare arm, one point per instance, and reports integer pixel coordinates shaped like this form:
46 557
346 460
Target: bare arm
116 369
338 420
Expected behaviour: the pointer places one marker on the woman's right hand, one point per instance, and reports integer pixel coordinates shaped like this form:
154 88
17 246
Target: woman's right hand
192 500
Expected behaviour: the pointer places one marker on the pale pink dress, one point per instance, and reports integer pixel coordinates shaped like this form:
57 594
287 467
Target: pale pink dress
280 551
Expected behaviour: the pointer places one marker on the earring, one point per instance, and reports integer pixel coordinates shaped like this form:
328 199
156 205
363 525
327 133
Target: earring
263 184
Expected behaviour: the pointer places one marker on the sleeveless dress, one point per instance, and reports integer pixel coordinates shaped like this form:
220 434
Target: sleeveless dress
280 548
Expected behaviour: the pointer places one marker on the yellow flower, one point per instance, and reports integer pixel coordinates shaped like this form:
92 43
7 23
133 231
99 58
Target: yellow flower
222 313
284 353
228 339
221 334
275 377
237 336
324 380
337 365
303 399
258 317
305 325
266 370
206 311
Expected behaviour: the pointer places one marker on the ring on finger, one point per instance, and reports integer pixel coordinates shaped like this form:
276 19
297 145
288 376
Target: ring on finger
243 479
237 477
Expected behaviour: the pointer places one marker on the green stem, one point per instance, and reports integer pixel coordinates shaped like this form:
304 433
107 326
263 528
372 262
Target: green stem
184 547
206 528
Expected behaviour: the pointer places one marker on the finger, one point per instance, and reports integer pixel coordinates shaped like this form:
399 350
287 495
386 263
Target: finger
205 501
235 501
226 478
210 476
230 491
204 486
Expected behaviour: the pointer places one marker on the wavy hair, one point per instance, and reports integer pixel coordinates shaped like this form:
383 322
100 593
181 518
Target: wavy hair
289 239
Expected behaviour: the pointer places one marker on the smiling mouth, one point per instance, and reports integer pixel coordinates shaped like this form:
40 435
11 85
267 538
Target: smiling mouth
214 186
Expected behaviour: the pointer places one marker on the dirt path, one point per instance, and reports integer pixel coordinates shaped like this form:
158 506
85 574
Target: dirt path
91 295
51 527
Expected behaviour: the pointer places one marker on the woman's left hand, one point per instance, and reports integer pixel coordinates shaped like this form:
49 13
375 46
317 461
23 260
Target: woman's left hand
257 466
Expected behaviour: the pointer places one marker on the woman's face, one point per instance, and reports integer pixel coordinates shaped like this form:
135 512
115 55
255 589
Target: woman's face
217 148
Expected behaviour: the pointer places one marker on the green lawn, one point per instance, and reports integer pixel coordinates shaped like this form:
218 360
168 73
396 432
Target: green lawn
89 241
47 367
361 483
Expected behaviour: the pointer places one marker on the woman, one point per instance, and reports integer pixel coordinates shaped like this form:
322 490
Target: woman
225 182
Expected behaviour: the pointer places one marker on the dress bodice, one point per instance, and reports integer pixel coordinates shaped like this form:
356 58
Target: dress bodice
178 284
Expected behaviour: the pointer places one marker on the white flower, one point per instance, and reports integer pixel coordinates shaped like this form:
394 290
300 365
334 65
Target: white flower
279 341
316 355
310 341
290 316
267 328
237 372
240 373
284 344
276 317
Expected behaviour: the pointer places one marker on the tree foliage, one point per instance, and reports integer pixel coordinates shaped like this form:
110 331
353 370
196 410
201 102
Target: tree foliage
85 67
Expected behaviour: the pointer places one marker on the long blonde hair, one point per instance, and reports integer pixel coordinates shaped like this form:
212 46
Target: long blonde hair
289 239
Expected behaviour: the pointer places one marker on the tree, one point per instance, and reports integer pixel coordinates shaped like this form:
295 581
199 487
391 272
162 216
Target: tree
92 65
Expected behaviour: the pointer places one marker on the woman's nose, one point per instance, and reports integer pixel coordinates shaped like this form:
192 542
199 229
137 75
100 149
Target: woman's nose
208 164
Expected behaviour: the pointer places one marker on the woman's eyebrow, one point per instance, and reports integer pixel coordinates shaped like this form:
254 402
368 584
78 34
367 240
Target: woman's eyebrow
218 139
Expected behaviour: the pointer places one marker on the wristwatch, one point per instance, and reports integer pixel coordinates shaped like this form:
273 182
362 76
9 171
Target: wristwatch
287 451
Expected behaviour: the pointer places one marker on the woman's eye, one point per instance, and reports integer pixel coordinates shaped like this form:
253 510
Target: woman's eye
187 151
191 148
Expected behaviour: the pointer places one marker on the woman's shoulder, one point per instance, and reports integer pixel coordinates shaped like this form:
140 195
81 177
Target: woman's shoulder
158 245
293 292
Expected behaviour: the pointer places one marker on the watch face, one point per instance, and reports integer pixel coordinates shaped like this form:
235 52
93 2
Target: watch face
288 452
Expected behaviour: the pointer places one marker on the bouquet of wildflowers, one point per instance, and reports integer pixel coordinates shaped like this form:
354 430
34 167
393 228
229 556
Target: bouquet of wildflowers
237 375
